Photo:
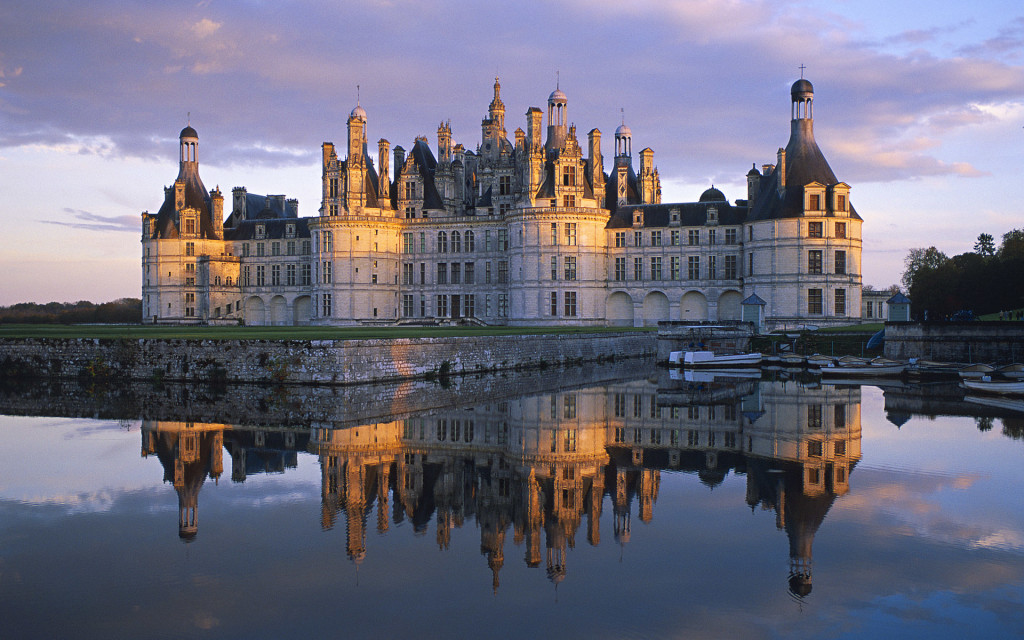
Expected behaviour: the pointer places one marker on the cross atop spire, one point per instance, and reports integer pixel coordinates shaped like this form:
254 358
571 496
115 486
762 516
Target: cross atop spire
802 67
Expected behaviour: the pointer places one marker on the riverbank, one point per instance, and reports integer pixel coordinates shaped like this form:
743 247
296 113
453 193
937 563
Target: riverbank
316 362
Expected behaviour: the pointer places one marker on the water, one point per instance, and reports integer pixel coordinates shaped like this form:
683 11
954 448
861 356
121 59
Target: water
604 503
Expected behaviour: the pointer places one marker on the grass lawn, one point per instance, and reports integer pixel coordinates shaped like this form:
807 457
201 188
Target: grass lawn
281 333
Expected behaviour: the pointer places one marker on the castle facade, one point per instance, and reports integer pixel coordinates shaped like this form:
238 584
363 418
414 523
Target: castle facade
529 231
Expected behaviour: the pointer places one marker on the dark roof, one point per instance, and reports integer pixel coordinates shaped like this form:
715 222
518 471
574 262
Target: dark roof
898 298
753 299
691 214
713 195
188 132
804 164
801 86
427 165
196 197
274 229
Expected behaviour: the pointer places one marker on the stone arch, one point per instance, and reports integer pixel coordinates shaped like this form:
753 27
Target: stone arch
655 308
255 311
278 311
619 309
302 310
729 305
693 307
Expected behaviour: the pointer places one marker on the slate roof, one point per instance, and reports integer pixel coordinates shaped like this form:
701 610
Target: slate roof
427 165
274 229
691 214
196 197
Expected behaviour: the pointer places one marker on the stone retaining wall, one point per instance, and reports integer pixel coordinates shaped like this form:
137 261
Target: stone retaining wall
990 342
327 362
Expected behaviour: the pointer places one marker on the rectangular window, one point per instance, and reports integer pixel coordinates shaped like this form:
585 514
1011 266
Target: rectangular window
553 303
840 302
456 271
442 273
841 262
693 237
423 273
261 273
675 237
693 268
638 268
502 305
470 273
620 269
814 262
407 305
407 242
814 229
814 202
814 449
307 247
656 238
568 176
245 250
750 263
814 302
407 273
840 204
487 272
570 233
554 267
570 304
307 272
730 267
673 263
620 238
326 310
730 236
442 307
260 249
487 240
554 233
712 235
275 275
502 272
840 415
502 239
638 238
656 268
568 200
570 267
275 248
190 248
290 247
423 241
327 273
470 242
505 185
712 267
470 305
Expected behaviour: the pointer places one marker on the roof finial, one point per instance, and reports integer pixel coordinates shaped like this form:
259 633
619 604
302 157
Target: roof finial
558 79
357 95
802 67
188 118
623 111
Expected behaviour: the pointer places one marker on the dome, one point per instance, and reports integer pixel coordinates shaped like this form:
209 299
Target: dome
623 130
801 87
188 132
358 112
712 195
557 96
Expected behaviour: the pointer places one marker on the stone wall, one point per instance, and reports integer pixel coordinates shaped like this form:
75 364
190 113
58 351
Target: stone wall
990 342
328 362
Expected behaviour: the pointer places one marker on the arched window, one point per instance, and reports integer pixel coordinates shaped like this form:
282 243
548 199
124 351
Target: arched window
456 242
442 242
470 242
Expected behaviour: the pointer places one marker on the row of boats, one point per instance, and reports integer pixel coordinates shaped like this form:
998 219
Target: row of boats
1005 380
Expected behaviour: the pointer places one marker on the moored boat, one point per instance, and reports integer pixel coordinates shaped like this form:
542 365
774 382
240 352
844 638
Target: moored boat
1013 371
710 359
975 371
860 368
999 387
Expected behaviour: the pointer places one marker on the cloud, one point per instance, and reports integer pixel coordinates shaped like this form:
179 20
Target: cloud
205 28
93 222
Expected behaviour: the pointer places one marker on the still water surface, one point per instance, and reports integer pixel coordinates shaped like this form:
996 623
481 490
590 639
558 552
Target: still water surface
598 504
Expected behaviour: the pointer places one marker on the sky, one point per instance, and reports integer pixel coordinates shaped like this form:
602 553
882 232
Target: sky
919 106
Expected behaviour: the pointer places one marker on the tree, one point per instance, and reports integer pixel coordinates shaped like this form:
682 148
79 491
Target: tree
1013 245
919 260
985 246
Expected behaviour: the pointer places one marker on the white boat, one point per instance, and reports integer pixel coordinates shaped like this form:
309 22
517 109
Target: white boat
1013 371
975 371
998 387
998 402
877 368
709 359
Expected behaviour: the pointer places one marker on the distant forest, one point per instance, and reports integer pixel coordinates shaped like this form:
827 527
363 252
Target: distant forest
123 311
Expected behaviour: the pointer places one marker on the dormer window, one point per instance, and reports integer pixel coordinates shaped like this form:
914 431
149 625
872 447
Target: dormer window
814 202
712 215
638 218
261 231
673 216
289 230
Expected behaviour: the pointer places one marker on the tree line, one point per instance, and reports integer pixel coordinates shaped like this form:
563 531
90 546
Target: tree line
122 311
988 279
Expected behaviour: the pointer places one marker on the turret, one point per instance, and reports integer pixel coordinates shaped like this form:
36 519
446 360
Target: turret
557 118
383 157
217 213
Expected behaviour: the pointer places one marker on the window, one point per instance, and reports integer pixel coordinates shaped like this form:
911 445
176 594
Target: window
638 238
673 265
260 249
407 273
553 303
693 268
841 229
456 272
620 269
307 275
326 310
656 238
469 309
840 203
328 240
306 247
840 415
504 185
442 242
470 241
570 267
423 241
502 272
814 448
407 243
840 447
442 273
750 263
570 233
568 200
570 304
487 273
840 302
693 237
569 176
487 240
502 239
190 225
327 273
675 237
290 247
730 267
290 275
275 275
289 230
456 242
620 238
502 305
245 250
869 309
407 305
275 248
814 302
470 274
410 190
712 266
814 201
712 236
261 274
841 262
554 267
814 262
730 236
814 229
190 248
442 306
570 434
638 268
656 268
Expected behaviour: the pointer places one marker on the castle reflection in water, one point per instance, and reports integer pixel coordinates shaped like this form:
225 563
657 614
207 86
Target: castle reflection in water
538 467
